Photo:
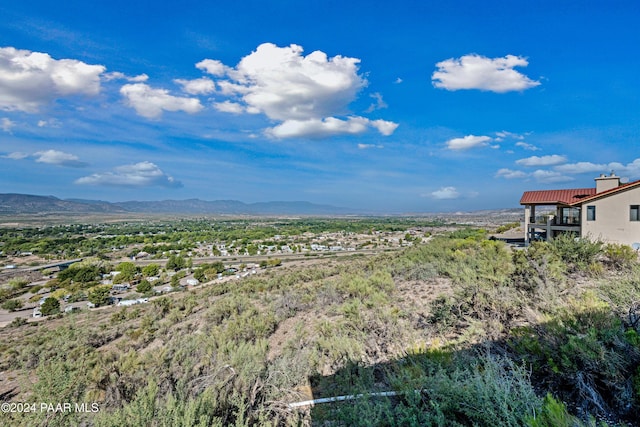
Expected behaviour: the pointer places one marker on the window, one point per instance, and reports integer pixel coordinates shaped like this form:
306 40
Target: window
591 213
570 216
634 213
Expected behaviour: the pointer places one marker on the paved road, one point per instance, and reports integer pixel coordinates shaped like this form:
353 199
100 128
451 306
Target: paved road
40 267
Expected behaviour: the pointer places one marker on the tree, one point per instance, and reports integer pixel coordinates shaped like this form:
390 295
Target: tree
200 275
144 286
175 281
175 263
99 295
151 270
50 306
128 271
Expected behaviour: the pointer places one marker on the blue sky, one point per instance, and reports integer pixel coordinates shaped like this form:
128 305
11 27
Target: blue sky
404 106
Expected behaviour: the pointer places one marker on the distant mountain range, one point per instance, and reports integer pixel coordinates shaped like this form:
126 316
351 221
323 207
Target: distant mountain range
30 204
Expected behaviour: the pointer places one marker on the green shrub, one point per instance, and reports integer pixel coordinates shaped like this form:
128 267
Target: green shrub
469 233
578 252
620 256
18 283
583 352
443 313
507 227
18 321
636 384
553 414
490 392
539 270
12 304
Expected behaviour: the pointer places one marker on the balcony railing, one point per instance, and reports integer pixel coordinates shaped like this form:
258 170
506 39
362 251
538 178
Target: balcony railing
566 221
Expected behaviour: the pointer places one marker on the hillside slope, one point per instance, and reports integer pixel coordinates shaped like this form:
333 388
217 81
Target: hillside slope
466 331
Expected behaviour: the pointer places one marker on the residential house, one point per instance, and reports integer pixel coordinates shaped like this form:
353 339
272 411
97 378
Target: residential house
610 212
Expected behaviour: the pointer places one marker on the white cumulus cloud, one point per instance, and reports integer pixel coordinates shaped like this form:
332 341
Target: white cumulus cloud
31 79
229 107
59 158
143 174
445 193
319 128
467 142
306 94
213 67
479 72
150 102
510 174
201 86
117 75
550 160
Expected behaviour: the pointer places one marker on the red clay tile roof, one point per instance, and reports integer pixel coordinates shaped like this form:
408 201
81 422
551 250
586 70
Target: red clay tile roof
554 197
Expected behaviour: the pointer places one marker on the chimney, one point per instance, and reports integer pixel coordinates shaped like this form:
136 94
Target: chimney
604 183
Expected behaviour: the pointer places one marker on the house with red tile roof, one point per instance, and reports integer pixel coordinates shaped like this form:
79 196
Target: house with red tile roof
609 212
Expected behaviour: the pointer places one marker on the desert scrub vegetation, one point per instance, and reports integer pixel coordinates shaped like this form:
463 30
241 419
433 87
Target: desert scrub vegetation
463 330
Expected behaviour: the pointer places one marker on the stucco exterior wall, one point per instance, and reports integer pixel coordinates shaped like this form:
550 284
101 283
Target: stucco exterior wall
612 222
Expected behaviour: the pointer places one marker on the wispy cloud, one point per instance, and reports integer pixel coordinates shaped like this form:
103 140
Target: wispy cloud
479 72
52 123
550 160
17 155
369 146
502 135
379 103
526 146
7 124
51 157
631 169
510 174
547 176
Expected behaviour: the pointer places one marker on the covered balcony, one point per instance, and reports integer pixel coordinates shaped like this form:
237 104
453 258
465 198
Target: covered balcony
564 216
